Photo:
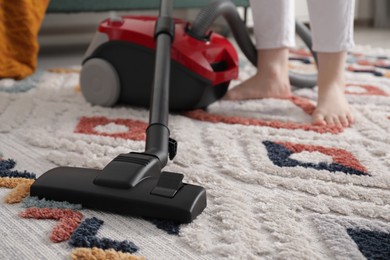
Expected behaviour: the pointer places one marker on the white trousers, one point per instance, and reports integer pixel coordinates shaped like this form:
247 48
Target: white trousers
331 23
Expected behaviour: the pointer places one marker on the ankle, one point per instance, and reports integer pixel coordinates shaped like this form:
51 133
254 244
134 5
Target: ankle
272 59
331 71
277 72
337 85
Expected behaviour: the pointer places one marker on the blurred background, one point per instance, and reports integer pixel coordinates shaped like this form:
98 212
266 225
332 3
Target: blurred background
69 26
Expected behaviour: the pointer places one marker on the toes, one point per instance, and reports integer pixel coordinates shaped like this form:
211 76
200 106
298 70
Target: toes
318 119
337 122
329 120
350 119
344 121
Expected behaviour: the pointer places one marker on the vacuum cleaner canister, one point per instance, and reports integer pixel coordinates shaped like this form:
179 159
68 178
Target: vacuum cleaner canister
118 65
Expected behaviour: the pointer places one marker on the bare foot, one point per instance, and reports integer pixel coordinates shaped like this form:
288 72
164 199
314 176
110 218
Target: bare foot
260 86
270 81
332 106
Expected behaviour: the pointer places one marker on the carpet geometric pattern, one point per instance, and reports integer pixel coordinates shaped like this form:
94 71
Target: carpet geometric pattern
278 187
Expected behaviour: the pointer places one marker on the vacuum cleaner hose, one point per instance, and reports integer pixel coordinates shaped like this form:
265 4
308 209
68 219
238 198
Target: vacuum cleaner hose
227 8
309 80
207 16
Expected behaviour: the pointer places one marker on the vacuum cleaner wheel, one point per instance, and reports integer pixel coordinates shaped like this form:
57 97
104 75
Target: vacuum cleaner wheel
99 82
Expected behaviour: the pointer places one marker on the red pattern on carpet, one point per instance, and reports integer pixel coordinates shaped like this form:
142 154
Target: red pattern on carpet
68 219
136 129
339 156
369 90
202 115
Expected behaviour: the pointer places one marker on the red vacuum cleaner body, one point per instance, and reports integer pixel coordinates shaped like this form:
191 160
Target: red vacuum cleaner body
118 65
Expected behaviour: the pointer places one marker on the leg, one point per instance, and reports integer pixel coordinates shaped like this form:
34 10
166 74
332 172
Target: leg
275 32
332 106
332 27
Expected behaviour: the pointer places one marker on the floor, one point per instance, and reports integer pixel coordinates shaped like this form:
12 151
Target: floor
374 37
62 56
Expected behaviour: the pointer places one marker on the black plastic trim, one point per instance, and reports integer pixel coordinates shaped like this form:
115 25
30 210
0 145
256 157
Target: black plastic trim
165 25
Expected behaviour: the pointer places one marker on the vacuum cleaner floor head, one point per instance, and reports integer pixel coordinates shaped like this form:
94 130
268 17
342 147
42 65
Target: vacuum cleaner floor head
163 197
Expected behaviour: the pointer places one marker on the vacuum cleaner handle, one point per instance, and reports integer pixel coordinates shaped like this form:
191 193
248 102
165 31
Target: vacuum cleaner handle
157 134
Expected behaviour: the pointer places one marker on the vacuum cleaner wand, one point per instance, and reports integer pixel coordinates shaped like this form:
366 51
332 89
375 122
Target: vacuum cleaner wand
159 109
133 183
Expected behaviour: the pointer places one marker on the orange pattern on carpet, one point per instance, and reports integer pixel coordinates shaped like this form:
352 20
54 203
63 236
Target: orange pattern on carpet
64 70
20 188
100 254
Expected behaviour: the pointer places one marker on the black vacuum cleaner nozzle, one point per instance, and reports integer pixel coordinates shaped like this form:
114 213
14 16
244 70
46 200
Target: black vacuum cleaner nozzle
130 184
133 183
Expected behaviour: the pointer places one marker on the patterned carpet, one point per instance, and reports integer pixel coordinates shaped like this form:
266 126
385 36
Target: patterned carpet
278 187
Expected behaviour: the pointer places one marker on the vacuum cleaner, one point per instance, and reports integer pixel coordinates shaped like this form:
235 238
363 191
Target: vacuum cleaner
134 183
192 68
117 66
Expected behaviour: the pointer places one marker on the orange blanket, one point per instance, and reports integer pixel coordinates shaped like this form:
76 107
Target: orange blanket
19 25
